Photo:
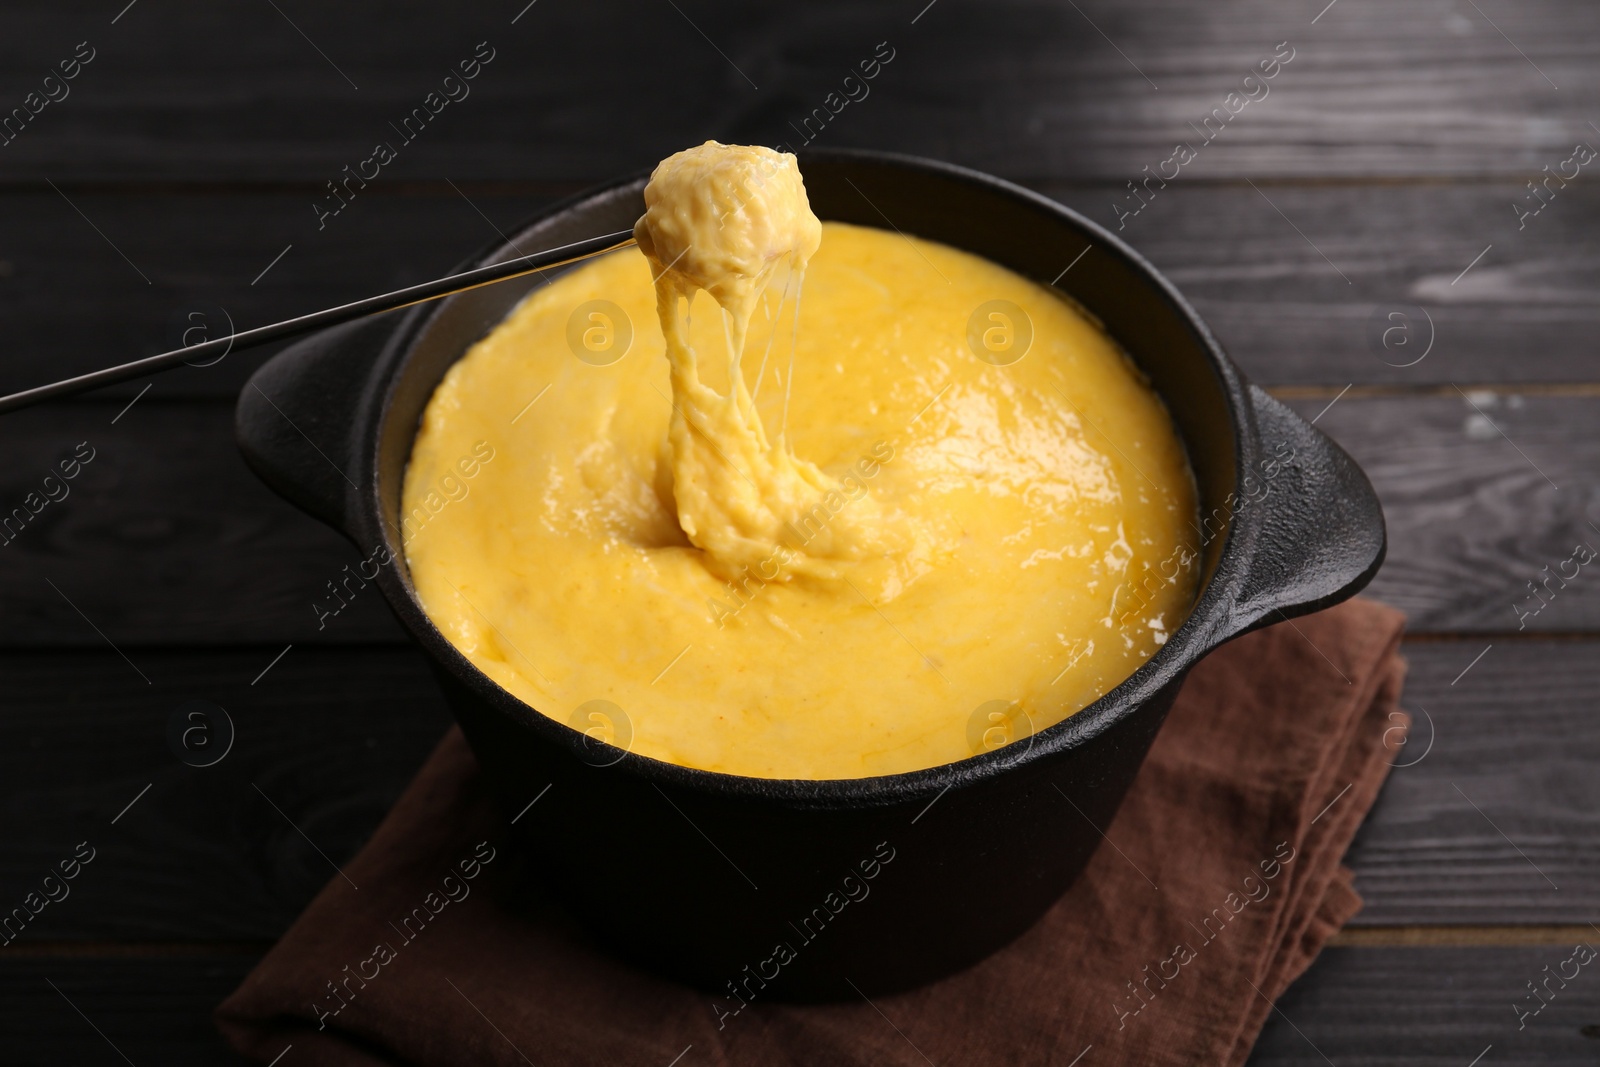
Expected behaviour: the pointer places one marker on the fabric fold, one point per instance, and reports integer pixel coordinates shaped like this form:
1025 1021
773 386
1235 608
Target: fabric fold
1222 882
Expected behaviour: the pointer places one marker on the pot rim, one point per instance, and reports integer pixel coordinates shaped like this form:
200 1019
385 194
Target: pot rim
1205 626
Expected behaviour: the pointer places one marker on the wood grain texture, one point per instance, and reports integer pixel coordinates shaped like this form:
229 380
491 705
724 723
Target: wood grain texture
1297 281
331 736
197 261
323 743
1430 1008
1481 492
1492 806
1288 316
168 538
1025 89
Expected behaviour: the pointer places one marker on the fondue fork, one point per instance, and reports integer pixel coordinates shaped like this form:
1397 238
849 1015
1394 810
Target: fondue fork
316 320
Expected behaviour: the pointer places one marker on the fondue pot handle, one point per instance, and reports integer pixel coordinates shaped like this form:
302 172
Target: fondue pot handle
1319 526
298 417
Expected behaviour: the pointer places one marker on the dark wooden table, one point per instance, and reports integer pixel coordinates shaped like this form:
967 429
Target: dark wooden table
171 185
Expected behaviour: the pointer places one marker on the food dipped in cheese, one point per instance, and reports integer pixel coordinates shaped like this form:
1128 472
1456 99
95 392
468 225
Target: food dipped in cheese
927 509
724 219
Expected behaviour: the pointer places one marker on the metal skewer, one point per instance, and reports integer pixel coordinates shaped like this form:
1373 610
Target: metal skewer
372 305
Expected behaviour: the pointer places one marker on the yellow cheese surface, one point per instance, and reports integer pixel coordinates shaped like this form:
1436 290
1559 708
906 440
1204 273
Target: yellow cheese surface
995 536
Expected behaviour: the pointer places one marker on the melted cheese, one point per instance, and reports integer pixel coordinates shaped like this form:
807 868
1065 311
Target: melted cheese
723 219
973 519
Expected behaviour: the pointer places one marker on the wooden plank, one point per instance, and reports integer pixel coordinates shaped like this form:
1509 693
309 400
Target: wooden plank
331 737
144 272
72 303
326 739
1305 297
1437 1007
149 1009
1355 1007
1482 491
1472 935
167 538
1493 801
191 92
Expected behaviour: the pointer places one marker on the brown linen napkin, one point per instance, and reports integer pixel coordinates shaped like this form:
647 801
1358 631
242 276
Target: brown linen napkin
1222 883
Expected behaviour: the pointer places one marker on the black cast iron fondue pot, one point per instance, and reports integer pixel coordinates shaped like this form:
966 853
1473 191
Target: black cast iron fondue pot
787 889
